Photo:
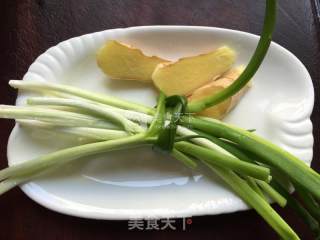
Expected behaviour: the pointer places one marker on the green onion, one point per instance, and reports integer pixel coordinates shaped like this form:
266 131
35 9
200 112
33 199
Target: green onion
271 154
104 112
98 134
11 183
228 146
308 201
295 205
167 135
242 189
64 156
158 121
253 184
222 160
101 98
250 70
187 138
272 193
57 117
184 158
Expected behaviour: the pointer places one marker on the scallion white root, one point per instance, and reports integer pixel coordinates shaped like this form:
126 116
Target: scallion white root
113 101
98 134
54 116
104 112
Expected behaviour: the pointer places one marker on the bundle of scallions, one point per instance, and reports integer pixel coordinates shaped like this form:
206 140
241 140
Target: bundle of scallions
249 164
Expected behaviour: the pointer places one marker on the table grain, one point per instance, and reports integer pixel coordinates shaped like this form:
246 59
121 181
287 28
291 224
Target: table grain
29 27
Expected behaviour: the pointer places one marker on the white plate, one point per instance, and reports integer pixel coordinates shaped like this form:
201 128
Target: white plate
139 183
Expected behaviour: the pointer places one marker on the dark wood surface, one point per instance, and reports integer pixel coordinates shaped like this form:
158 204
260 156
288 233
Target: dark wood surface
29 27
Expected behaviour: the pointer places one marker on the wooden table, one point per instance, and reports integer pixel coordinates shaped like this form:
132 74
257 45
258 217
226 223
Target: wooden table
29 27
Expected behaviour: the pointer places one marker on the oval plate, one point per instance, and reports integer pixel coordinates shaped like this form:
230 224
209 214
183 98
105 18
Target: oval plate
138 183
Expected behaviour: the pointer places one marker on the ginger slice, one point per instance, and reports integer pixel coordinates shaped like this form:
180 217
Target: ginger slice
120 61
220 110
187 74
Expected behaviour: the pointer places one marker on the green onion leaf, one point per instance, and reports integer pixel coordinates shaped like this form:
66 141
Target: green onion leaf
177 106
251 69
